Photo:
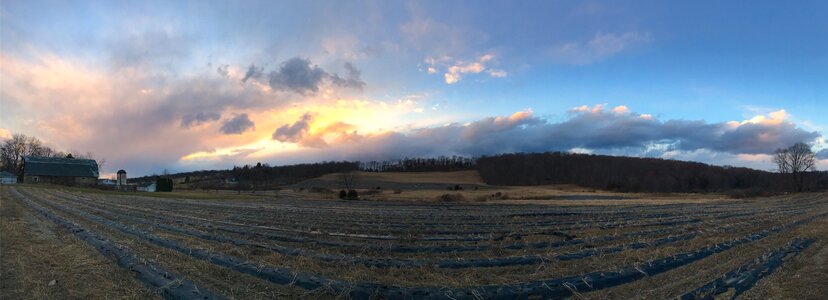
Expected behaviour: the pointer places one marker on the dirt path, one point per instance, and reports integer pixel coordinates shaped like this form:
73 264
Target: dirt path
38 260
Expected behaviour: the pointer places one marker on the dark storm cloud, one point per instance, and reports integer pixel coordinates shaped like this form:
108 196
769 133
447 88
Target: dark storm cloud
198 118
294 133
297 75
237 124
300 76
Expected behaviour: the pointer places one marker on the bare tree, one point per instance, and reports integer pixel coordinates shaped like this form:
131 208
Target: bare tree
101 162
349 179
13 150
796 160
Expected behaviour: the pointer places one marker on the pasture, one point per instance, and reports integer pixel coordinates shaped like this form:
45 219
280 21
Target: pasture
109 245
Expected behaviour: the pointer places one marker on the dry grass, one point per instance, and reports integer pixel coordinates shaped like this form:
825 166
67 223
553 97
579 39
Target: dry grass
38 260
449 178
212 277
801 277
182 194
662 286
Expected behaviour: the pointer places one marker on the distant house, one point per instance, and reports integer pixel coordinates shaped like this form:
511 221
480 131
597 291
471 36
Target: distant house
146 187
66 171
107 182
7 178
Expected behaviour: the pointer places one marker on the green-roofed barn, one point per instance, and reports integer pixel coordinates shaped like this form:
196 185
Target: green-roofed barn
66 171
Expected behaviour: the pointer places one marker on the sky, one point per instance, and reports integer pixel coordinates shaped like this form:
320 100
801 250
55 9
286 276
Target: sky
182 86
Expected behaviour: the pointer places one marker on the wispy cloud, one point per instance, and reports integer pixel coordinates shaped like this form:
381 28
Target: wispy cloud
455 69
600 47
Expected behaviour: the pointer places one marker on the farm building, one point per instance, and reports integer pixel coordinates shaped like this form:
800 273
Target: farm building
146 187
122 177
66 171
106 182
7 178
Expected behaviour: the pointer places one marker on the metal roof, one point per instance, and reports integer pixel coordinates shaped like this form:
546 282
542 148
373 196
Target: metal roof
70 167
5 174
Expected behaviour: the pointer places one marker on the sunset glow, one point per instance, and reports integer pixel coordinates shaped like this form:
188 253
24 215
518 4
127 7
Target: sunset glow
180 85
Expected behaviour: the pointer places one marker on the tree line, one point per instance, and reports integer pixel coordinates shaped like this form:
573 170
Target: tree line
440 163
19 146
633 174
260 175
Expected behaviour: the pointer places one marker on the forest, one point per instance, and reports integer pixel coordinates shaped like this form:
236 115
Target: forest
634 174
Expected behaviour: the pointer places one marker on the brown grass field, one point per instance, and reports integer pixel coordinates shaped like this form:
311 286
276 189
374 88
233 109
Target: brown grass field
557 241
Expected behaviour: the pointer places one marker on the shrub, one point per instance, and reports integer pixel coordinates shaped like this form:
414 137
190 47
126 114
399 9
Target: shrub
163 184
343 194
353 195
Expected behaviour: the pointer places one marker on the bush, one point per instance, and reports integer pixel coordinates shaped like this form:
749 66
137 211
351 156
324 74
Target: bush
455 197
163 184
343 194
397 191
353 195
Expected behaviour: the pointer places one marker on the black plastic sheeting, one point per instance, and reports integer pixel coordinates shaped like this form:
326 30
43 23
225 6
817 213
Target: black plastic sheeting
388 245
168 284
746 276
553 288
399 263
362 246
493 231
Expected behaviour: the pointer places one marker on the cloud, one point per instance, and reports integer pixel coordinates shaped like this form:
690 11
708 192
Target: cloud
237 124
199 118
300 76
223 70
823 154
351 80
294 133
152 51
455 70
136 119
253 72
609 130
5 134
497 73
324 135
600 47
297 75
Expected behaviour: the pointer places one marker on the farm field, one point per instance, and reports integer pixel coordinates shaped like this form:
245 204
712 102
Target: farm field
135 246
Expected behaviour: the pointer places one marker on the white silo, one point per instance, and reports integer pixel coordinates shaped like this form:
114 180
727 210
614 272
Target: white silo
122 178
